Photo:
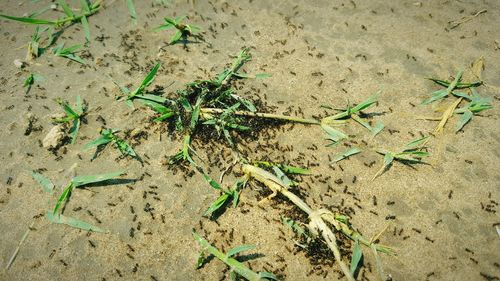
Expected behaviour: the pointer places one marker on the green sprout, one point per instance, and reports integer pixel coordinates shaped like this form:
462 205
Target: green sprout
232 193
236 267
138 93
68 52
30 81
410 153
109 136
353 113
476 105
86 10
183 31
451 86
56 215
74 116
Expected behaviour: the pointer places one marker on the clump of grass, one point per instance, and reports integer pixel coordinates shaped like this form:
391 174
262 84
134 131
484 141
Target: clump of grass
411 153
318 220
183 31
230 194
139 93
74 116
476 105
451 87
350 112
236 268
109 136
56 215
69 52
87 9
30 81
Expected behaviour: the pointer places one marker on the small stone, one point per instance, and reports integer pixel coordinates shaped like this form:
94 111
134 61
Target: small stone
19 63
55 137
130 54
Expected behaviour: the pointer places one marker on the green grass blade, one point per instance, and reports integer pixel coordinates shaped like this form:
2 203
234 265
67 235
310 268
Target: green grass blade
464 119
131 10
333 134
73 132
97 142
388 158
46 184
267 275
437 95
149 78
211 181
66 8
357 254
76 223
345 154
125 148
75 58
240 249
85 6
235 265
67 108
63 197
367 103
175 37
86 28
377 129
217 204
28 20
84 180
415 143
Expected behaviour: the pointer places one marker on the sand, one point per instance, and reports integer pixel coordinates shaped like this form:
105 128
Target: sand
440 217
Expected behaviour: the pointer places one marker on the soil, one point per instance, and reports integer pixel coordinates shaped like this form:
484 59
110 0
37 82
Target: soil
441 217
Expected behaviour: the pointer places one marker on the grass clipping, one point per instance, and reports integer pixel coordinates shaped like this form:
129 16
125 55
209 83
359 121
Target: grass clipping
318 219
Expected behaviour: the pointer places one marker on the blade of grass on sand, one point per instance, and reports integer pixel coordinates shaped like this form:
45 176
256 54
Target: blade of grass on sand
131 10
28 20
76 223
84 180
235 265
63 197
345 154
357 254
46 184
464 119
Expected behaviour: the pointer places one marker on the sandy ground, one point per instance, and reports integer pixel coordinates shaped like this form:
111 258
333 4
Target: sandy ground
441 217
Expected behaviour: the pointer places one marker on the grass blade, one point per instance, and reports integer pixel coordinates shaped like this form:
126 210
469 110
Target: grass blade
86 28
76 223
235 265
66 8
64 197
333 135
97 142
464 119
217 204
415 143
240 249
46 184
149 79
73 132
131 10
357 254
28 20
84 180
345 154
